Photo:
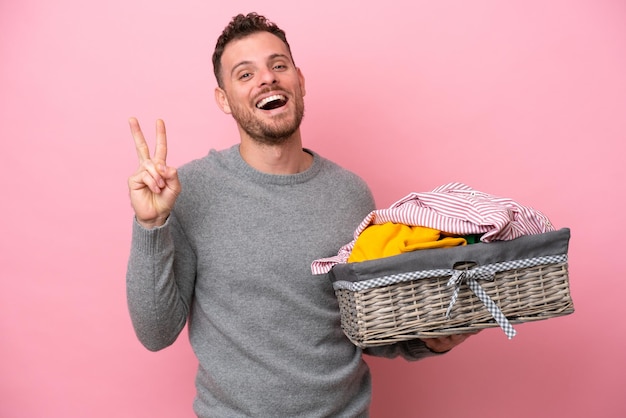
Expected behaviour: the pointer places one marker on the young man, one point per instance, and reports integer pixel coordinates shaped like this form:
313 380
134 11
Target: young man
226 243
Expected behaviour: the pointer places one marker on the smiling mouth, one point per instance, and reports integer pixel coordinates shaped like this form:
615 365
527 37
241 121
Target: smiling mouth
272 102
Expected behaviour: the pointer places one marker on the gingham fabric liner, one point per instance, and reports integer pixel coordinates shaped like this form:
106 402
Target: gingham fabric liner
457 277
484 272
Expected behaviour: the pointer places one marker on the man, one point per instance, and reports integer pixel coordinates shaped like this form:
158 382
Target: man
226 243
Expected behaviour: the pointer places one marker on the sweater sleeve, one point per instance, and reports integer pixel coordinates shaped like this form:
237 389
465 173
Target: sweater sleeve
159 284
409 350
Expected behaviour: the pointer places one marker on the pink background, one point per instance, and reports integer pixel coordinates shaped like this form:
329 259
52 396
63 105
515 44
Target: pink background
524 99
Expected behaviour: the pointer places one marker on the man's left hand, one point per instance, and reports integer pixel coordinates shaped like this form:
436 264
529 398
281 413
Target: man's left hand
447 343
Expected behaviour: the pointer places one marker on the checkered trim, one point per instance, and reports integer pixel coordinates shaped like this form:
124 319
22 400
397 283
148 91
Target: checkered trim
478 271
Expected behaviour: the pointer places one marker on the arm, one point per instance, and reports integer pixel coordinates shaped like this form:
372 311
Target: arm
158 301
159 283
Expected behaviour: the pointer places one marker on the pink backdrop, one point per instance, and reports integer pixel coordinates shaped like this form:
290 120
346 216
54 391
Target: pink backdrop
525 99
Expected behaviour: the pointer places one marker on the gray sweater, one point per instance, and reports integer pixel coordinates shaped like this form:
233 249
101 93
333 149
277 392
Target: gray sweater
233 261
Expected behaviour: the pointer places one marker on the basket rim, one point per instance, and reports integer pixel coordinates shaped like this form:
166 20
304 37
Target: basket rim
552 243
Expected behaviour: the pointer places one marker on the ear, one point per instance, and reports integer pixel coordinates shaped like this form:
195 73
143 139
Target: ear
222 100
301 79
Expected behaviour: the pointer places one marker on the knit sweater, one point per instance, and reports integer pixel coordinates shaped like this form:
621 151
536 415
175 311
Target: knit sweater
233 262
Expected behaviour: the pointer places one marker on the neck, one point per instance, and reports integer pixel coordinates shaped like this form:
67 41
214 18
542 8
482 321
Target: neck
285 158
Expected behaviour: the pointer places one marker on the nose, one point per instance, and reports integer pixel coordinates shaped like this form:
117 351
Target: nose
267 77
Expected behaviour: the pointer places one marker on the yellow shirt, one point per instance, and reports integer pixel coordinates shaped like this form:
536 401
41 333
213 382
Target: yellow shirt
388 239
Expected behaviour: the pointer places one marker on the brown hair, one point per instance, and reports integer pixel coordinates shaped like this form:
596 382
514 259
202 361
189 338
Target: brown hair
240 27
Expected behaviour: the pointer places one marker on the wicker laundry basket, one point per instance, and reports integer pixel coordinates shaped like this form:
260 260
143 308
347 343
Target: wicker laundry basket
438 292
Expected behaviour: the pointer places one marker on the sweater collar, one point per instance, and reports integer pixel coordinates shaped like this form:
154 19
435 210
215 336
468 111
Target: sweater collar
233 156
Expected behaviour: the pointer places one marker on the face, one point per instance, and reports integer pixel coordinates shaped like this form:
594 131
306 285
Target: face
263 90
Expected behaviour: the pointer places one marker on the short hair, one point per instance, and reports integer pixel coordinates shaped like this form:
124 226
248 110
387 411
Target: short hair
240 27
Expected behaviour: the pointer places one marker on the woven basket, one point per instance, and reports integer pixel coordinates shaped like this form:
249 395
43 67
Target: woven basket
410 296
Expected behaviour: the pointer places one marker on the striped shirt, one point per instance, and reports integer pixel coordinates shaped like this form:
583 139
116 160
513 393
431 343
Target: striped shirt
454 208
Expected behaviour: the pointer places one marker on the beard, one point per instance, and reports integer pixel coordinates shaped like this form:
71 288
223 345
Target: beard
273 132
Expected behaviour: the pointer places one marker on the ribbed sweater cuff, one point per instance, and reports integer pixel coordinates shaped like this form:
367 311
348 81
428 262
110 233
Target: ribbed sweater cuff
151 241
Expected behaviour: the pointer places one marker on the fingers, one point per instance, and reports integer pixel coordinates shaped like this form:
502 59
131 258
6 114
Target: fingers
149 175
457 339
143 153
156 177
443 344
153 173
160 154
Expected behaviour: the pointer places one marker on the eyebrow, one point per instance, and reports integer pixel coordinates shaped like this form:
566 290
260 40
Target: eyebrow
270 58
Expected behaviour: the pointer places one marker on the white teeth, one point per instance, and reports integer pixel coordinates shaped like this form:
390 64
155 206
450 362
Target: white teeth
270 99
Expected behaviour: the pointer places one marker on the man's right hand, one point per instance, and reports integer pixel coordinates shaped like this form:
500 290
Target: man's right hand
154 187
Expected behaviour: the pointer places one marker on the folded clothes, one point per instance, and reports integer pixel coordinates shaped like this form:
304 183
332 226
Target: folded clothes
456 209
389 239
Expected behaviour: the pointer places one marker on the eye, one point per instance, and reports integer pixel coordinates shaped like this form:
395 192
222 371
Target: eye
245 76
280 67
